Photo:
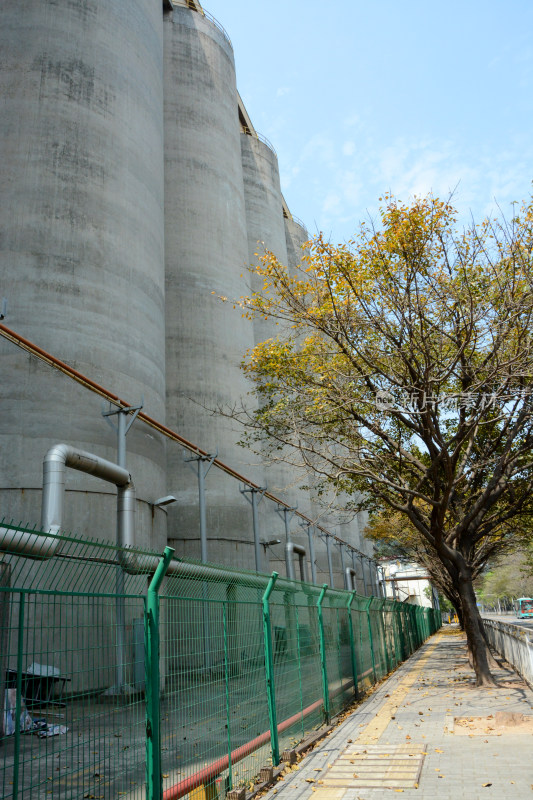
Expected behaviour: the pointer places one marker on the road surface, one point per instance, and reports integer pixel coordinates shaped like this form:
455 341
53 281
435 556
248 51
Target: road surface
512 619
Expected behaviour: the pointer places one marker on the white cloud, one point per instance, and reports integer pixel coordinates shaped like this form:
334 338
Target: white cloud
332 204
339 182
353 121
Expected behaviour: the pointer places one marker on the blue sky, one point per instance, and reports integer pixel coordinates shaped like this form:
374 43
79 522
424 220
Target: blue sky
360 98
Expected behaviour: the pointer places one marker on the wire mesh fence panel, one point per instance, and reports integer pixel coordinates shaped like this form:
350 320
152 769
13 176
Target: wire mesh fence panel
213 709
387 637
338 660
362 643
289 639
376 624
379 635
311 689
72 666
108 692
74 720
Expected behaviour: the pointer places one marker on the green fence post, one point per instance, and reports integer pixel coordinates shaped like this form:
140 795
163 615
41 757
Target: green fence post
370 638
226 685
18 700
325 685
269 671
398 634
410 629
352 645
393 637
154 785
339 644
300 687
383 637
403 631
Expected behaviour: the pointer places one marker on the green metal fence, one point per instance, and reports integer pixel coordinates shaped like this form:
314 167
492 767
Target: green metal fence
124 674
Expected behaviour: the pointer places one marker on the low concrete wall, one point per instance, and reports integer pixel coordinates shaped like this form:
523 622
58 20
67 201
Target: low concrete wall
514 644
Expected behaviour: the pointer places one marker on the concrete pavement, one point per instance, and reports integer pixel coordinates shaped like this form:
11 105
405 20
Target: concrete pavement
428 732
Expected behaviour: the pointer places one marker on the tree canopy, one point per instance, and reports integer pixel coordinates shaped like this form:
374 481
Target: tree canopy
403 370
507 579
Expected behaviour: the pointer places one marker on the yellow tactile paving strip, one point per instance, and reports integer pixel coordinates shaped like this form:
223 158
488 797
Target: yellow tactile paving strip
367 764
374 730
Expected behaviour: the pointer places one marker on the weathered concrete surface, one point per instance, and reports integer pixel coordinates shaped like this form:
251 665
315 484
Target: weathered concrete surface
206 257
120 138
81 243
266 231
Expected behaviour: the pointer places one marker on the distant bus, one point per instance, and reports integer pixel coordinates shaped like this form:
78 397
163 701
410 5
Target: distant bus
524 607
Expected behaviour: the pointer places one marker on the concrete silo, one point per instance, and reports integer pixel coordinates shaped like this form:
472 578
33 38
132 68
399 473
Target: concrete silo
264 212
295 237
206 256
266 231
347 527
81 245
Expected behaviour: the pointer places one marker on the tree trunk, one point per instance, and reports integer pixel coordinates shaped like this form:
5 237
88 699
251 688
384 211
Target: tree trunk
472 625
493 664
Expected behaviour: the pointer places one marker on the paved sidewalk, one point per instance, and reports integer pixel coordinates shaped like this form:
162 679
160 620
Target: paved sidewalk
427 732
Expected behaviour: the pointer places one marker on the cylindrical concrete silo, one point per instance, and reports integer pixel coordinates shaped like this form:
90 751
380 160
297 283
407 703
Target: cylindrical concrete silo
264 213
206 256
81 243
348 528
295 236
266 231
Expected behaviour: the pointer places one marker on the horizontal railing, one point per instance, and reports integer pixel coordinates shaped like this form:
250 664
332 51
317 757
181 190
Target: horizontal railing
217 24
249 132
514 643
298 221
194 6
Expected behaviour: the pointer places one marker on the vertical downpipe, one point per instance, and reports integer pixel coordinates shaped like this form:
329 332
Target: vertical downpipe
269 671
330 565
255 524
363 574
154 784
310 535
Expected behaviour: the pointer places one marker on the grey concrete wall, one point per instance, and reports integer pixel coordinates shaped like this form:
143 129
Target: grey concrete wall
81 246
264 214
206 256
266 231
120 139
295 237
348 527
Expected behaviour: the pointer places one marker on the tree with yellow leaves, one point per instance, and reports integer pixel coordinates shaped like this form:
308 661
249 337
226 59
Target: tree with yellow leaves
403 374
